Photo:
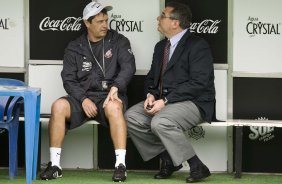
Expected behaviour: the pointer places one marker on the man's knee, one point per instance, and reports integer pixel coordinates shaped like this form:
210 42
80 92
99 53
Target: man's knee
161 124
60 107
114 110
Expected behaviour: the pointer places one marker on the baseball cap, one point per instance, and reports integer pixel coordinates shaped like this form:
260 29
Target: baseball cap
94 8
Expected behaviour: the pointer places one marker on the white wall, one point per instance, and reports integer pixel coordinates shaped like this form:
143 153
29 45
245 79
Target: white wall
260 51
12 33
48 78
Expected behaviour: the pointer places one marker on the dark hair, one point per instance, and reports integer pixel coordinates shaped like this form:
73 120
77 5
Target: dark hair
104 11
181 12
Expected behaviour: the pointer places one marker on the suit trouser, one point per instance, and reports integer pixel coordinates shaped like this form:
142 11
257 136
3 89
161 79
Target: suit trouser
164 131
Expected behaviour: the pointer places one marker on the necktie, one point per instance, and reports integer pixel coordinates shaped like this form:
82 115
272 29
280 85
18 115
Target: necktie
164 65
166 56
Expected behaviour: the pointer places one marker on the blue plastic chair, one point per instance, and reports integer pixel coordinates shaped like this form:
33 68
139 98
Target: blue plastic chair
9 120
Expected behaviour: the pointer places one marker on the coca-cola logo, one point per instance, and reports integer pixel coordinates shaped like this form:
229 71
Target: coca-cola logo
206 26
67 24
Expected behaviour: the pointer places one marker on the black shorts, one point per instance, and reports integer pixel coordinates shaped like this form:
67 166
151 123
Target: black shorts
78 116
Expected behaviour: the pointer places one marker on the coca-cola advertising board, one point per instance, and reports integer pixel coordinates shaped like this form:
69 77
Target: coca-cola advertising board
209 20
52 25
11 33
55 23
257 36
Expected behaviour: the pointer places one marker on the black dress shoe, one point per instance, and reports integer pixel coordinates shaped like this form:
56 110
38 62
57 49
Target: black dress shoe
167 167
167 171
198 173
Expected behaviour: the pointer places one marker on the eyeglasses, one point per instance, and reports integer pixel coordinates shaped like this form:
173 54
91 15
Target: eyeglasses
163 16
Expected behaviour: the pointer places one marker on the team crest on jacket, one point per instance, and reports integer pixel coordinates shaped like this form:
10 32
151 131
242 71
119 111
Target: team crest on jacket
86 66
108 54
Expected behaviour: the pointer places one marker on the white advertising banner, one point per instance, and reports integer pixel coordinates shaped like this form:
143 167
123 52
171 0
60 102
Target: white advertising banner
11 33
137 20
257 36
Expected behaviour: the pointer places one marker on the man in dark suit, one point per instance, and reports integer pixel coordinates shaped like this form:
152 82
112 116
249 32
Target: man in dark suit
180 95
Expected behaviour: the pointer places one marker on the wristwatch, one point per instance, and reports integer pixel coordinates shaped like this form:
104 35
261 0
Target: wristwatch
165 100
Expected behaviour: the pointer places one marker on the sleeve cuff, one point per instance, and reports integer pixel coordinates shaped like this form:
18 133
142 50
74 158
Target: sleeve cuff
82 99
165 100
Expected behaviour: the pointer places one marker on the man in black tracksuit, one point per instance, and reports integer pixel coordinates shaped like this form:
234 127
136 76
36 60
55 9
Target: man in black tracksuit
97 68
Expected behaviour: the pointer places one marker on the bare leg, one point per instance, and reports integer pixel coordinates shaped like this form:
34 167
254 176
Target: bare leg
118 129
60 112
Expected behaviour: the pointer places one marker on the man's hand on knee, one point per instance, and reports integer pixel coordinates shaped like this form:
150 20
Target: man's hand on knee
112 96
89 108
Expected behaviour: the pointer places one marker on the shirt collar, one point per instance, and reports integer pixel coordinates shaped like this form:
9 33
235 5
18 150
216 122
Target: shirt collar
175 39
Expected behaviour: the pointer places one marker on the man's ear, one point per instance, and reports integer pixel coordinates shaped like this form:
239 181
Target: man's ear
86 23
175 24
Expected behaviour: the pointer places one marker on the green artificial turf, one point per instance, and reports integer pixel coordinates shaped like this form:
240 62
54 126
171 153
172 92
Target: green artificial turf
100 177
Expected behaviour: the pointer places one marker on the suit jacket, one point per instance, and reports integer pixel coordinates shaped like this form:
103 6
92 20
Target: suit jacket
189 74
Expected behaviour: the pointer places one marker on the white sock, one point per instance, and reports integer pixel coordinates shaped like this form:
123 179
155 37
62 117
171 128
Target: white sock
55 156
120 156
